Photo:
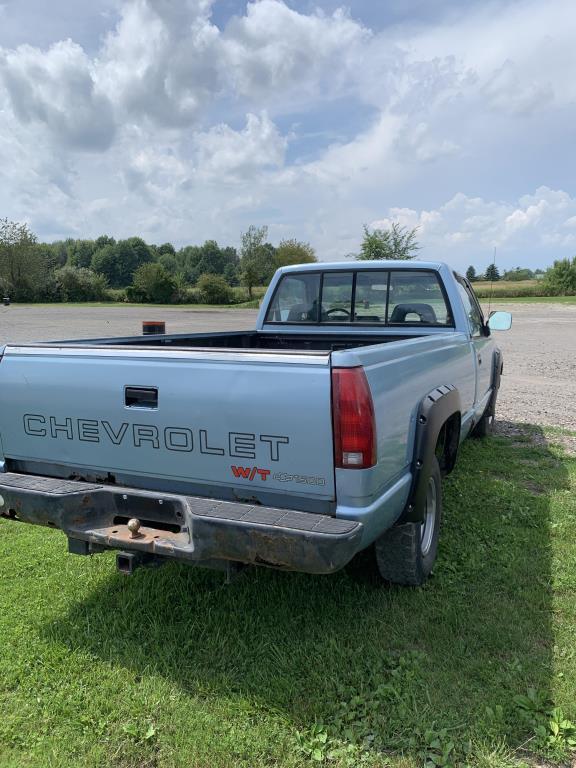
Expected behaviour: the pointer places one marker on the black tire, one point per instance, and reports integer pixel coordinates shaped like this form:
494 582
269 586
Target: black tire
406 553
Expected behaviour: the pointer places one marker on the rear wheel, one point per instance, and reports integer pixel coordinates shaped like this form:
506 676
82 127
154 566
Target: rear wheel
406 553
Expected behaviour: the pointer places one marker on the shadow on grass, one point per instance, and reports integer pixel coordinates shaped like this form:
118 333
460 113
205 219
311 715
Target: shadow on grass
384 664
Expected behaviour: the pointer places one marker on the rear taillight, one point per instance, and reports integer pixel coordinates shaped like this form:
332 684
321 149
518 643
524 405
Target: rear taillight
353 419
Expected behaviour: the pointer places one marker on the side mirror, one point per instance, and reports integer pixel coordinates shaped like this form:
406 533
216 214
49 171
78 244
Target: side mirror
500 321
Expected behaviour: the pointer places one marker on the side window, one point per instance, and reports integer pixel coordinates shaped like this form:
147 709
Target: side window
295 300
475 319
337 297
416 298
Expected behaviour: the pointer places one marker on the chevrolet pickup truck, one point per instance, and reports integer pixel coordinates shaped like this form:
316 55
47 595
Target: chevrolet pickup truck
317 440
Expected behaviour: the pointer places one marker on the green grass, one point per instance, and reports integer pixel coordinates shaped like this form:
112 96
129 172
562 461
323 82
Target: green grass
521 290
171 668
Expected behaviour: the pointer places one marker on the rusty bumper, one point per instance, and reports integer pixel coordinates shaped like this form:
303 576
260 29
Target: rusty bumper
195 529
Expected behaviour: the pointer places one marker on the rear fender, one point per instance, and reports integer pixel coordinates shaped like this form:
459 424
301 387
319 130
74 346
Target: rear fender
440 406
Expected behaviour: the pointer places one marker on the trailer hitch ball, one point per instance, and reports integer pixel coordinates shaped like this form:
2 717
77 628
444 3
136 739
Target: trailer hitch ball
134 527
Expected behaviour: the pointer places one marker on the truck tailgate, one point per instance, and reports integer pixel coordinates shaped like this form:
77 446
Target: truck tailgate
251 422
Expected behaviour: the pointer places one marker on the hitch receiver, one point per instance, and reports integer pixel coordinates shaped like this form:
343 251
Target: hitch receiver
127 562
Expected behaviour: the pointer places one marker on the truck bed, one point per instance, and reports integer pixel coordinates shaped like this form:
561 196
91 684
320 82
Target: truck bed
252 340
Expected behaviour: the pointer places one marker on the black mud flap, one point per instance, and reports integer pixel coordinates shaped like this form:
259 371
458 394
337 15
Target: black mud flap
435 409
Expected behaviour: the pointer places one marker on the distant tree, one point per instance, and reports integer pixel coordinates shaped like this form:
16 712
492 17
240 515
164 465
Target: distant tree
186 260
492 273
119 261
131 254
154 283
57 252
231 262
80 252
104 240
52 255
170 262
22 264
471 274
256 258
211 259
195 260
166 248
232 273
267 263
80 284
104 262
560 280
398 242
518 273
213 289
294 252
181 293
249 275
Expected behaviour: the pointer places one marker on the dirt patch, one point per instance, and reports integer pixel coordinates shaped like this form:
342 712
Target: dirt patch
528 434
533 488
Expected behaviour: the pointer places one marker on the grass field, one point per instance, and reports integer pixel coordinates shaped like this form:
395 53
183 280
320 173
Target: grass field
171 668
505 286
522 290
530 300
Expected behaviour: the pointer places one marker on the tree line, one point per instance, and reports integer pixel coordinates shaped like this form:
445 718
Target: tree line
492 274
131 269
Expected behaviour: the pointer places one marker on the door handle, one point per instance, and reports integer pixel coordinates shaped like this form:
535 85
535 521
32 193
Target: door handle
141 397
479 359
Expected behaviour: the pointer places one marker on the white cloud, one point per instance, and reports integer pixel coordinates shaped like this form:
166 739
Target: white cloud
363 157
417 144
162 62
533 220
422 111
508 91
276 51
224 153
56 89
519 52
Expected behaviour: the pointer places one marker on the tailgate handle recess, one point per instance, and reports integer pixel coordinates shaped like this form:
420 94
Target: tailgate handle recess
141 397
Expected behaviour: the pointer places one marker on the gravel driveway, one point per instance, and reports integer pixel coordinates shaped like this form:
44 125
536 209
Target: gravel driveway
539 385
539 382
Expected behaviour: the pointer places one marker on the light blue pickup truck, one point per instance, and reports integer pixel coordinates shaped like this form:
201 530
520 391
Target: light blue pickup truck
317 440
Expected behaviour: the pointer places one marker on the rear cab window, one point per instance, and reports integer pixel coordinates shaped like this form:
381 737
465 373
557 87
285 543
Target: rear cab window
391 297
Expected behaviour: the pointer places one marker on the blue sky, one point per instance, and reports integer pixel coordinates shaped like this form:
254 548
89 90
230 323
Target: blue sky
184 120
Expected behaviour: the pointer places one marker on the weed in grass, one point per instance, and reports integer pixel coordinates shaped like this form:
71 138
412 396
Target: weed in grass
552 734
435 748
